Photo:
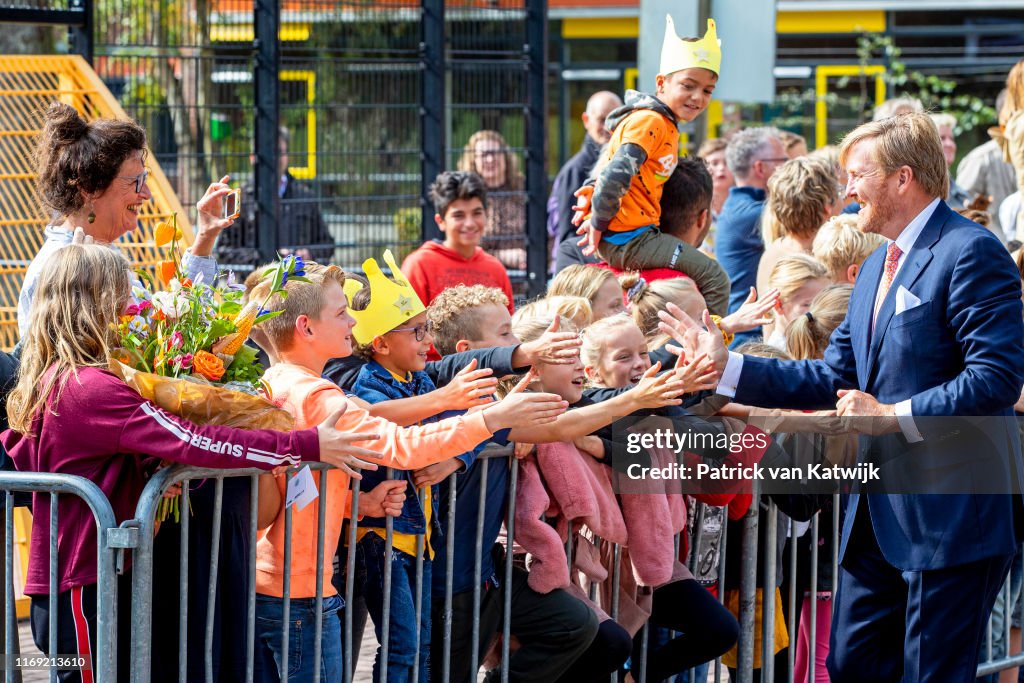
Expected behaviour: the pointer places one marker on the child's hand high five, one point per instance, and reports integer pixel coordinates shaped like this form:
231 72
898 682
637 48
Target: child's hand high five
336 447
469 388
552 347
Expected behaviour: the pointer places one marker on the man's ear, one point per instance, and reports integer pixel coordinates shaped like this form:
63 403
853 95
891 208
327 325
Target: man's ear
440 221
586 119
380 346
461 345
851 272
905 175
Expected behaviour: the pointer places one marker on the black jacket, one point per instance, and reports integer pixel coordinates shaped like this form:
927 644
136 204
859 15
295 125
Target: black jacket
301 226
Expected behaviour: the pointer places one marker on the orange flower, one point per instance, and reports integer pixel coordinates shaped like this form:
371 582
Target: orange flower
208 365
186 283
163 233
166 270
159 315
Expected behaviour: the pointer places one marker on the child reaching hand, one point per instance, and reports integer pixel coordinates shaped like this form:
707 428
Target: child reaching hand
641 156
71 415
313 326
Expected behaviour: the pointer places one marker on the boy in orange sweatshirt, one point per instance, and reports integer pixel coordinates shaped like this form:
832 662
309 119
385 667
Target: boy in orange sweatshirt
311 326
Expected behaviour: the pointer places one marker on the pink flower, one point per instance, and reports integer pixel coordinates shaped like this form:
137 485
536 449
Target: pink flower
182 362
176 340
132 309
145 305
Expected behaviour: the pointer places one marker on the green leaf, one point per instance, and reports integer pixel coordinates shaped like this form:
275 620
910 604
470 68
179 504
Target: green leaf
267 316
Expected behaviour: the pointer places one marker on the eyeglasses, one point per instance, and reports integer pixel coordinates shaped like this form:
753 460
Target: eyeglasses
140 180
420 331
774 160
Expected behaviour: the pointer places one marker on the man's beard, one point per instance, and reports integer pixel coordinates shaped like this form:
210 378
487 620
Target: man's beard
881 213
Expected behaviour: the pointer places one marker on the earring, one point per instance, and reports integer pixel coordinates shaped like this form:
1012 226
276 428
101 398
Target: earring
92 217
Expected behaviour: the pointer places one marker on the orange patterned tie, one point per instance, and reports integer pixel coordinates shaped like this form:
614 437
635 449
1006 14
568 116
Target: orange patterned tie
892 259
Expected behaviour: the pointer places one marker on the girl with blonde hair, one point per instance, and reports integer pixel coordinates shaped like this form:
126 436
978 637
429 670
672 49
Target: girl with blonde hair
597 285
647 299
1010 131
799 278
70 415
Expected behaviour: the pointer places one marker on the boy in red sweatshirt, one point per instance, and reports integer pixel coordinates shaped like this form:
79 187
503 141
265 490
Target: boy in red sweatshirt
460 199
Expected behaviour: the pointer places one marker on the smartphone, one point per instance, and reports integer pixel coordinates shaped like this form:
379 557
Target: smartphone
233 204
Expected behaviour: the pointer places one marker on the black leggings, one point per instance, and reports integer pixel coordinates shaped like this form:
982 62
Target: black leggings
606 654
707 629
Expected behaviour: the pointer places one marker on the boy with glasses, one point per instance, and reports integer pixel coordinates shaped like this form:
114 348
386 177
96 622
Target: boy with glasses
394 336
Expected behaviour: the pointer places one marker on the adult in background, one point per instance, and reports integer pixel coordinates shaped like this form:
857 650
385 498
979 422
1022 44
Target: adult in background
301 228
713 153
752 155
488 155
577 169
983 171
958 198
1010 136
92 175
934 329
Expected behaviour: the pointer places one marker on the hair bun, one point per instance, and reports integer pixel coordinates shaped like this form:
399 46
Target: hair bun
64 125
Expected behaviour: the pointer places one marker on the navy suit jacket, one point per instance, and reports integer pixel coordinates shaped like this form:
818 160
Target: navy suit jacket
959 353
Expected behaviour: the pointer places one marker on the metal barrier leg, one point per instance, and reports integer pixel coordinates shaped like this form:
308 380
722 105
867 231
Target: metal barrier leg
11 624
616 561
385 628
748 589
768 593
286 584
812 627
183 586
721 579
449 569
211 592
474 658
250 601
791 623
350 581
318 603
506 618
54 502
418 596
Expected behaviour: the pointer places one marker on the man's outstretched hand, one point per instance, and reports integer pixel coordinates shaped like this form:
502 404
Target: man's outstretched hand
693 338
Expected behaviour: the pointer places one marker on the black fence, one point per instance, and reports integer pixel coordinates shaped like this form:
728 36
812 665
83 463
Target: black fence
376 98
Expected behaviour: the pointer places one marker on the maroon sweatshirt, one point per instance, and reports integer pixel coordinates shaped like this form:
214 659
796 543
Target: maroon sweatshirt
103 430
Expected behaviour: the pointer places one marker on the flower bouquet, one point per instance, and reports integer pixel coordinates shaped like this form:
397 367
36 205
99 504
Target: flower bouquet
183 347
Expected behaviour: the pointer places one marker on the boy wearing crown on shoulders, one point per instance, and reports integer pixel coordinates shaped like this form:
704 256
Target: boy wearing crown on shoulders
623 227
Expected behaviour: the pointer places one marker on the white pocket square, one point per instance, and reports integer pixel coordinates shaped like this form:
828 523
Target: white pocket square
905 300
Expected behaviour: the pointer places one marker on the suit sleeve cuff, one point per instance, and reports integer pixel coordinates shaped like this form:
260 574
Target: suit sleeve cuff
731 375
906 419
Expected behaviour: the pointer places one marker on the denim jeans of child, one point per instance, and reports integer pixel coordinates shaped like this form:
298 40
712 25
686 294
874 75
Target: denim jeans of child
301 639
402 652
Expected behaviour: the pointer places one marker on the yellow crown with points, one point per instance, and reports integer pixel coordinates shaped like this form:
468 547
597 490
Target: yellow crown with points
392 301
678 54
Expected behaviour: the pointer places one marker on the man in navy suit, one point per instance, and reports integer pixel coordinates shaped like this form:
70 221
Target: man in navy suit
934 328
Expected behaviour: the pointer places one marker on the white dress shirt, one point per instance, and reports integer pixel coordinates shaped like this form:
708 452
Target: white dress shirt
905 241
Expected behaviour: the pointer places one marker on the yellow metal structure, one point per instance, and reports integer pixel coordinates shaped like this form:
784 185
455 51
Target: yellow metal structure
309 78
28 85
821 89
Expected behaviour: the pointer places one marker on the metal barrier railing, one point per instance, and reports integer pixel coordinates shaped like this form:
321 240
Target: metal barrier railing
138 533
104 664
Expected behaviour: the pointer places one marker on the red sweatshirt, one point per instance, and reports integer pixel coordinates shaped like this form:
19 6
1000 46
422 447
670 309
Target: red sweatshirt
434 268
102 431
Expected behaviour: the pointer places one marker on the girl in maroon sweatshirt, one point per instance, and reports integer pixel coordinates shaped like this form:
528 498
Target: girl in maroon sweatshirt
69 414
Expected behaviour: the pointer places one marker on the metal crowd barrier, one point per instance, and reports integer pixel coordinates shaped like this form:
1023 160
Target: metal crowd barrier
138 533
104 666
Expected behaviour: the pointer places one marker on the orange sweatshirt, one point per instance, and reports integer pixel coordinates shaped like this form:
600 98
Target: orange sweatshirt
310 399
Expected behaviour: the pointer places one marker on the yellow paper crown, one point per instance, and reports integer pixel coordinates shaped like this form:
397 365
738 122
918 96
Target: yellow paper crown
678 54
392 301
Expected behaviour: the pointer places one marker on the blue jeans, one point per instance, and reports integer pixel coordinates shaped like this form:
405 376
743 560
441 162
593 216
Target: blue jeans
402 652
301 639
